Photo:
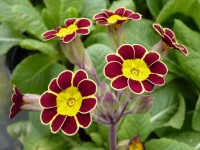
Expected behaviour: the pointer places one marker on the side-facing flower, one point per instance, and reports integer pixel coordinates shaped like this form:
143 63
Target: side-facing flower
132 66
22 101
169 39
117 16
68 32
68 102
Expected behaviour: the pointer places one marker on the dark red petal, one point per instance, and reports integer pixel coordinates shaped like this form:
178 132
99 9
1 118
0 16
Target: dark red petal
15 108
113 69
49 33
182 48
16 99
139 51
64 79
126 51
83 31
87 105
135 16
83 22
135 86
108 13
113 57
57 123
127 13
156 79
168 41
70 21
69 38
53 86
120 82
158 68
120 11
48 100
158 28
18 93
151 57
48 114
49 37
121 21
102 22
169 33
148 86
99 16
79 76
87 87
84 119
70 126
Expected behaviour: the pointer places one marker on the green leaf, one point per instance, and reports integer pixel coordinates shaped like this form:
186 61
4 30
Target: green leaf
57 11
178 117
90 8
87 146
175 8
134 125
100 38
8 38
167 144
190 66
101 51
128 4
34 73
21 15
141 32
96 137
196 118
43 47
155 6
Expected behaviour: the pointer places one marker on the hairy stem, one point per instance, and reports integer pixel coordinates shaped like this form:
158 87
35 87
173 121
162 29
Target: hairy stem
112 136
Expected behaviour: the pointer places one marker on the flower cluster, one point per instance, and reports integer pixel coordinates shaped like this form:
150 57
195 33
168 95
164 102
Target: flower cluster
68 102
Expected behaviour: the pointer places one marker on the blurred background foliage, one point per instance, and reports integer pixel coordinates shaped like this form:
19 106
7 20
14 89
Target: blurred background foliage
174 121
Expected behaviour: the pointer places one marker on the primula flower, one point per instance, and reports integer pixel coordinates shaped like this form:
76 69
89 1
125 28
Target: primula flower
23 102
67 33
68 102
136 144
118 16
168 37
132 66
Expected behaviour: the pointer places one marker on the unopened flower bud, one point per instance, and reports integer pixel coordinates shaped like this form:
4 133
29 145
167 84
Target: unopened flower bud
143 104
103 88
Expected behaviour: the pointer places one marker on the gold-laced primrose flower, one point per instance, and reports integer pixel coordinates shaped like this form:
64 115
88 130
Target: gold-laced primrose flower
168 37
117 16
68 102
132 66
67 33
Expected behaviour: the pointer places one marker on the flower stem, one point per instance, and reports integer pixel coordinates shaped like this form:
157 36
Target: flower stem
112 137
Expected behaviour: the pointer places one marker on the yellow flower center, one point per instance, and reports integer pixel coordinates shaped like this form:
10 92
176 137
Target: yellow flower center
66 30
135 69
113 19
136 145
69 101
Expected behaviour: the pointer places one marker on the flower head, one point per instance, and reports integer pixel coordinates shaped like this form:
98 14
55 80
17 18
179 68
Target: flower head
68 102
23 102
136 144
68 32
132 66
118 16
168 37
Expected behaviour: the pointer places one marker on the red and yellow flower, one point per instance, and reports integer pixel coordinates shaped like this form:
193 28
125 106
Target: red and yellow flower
168 37
117 16
67 33
68 102
22 101
136 144
132 66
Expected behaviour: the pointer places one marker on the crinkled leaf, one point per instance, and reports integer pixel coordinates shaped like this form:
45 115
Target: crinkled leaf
98 53
167 144
128 4
45 48
21 15
57 11
90 8
196 116
134 125
8 38
34 73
